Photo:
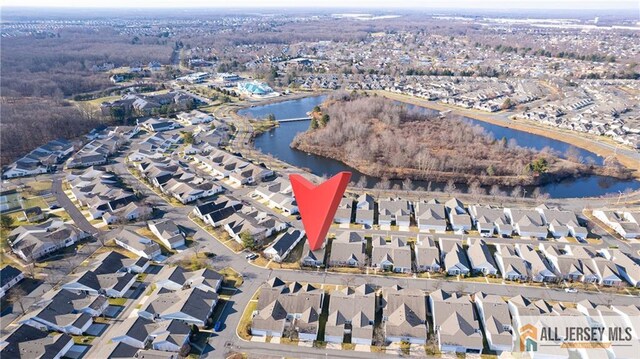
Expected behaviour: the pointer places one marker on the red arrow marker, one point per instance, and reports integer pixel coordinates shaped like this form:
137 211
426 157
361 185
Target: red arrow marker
318 204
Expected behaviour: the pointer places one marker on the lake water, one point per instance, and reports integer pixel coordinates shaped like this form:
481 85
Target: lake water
276 142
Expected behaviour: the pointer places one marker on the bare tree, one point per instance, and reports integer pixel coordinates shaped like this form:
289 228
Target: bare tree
17 296
407 185
495 191
450 187
476 189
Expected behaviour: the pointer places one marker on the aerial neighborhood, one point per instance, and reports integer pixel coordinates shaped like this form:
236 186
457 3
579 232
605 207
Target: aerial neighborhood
152 214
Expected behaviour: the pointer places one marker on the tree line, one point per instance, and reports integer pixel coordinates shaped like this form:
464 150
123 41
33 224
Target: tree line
386 139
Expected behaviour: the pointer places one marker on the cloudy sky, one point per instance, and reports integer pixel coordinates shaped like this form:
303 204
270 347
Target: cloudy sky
471 4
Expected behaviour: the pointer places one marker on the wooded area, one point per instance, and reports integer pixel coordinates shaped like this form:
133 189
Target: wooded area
386 139
39 72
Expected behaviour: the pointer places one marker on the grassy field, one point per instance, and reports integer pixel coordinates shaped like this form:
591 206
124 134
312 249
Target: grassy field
231 277
34 202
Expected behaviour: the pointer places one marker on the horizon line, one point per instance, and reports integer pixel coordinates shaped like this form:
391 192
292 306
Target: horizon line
346 7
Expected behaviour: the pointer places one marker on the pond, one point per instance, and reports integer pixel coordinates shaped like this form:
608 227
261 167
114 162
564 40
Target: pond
276 142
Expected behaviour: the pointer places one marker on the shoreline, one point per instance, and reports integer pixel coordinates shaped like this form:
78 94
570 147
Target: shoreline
458 178
599 148
248 104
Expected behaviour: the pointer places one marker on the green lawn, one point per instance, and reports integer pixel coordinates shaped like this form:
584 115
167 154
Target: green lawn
118 301
34 202
244 326
82 339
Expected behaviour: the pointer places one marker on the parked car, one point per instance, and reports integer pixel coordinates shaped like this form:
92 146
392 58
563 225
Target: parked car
571 290
218 326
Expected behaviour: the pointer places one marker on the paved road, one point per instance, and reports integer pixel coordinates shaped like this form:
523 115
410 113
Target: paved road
227 339
73 211
57 270
254 276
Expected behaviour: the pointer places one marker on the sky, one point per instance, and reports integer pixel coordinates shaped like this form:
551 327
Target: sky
363 4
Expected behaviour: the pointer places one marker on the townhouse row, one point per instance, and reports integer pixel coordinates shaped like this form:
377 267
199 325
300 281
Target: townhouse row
458 322
546 262
105 197
432 216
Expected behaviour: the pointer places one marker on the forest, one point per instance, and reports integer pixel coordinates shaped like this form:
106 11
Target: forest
39 73
382 138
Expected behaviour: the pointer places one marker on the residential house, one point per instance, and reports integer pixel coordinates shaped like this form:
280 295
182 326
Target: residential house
392 256
562 223
33 214
480 257
490 221
496 321
168 233
351 312
279 250
458 216
216 212
609 273
344 211
166 336
394 212
175 278
365 201
191 306
454 257
538 267
364 210
625 223
627 267
9 276
573 263
33 242
286 308
404 315
129 212
135 243
27 342
348 249
66 312
431 217
512 266
194 117
111 274
158 125
364 217
521 308
279 195
427 254
312 258
249 174
527 223
454 323
259 225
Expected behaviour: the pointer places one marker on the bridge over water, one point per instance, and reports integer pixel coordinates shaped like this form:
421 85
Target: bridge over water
295 119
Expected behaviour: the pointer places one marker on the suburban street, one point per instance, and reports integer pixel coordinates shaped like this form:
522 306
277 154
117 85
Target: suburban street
255 276
147 207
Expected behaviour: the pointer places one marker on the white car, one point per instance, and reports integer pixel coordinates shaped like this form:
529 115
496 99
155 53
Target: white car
571 290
